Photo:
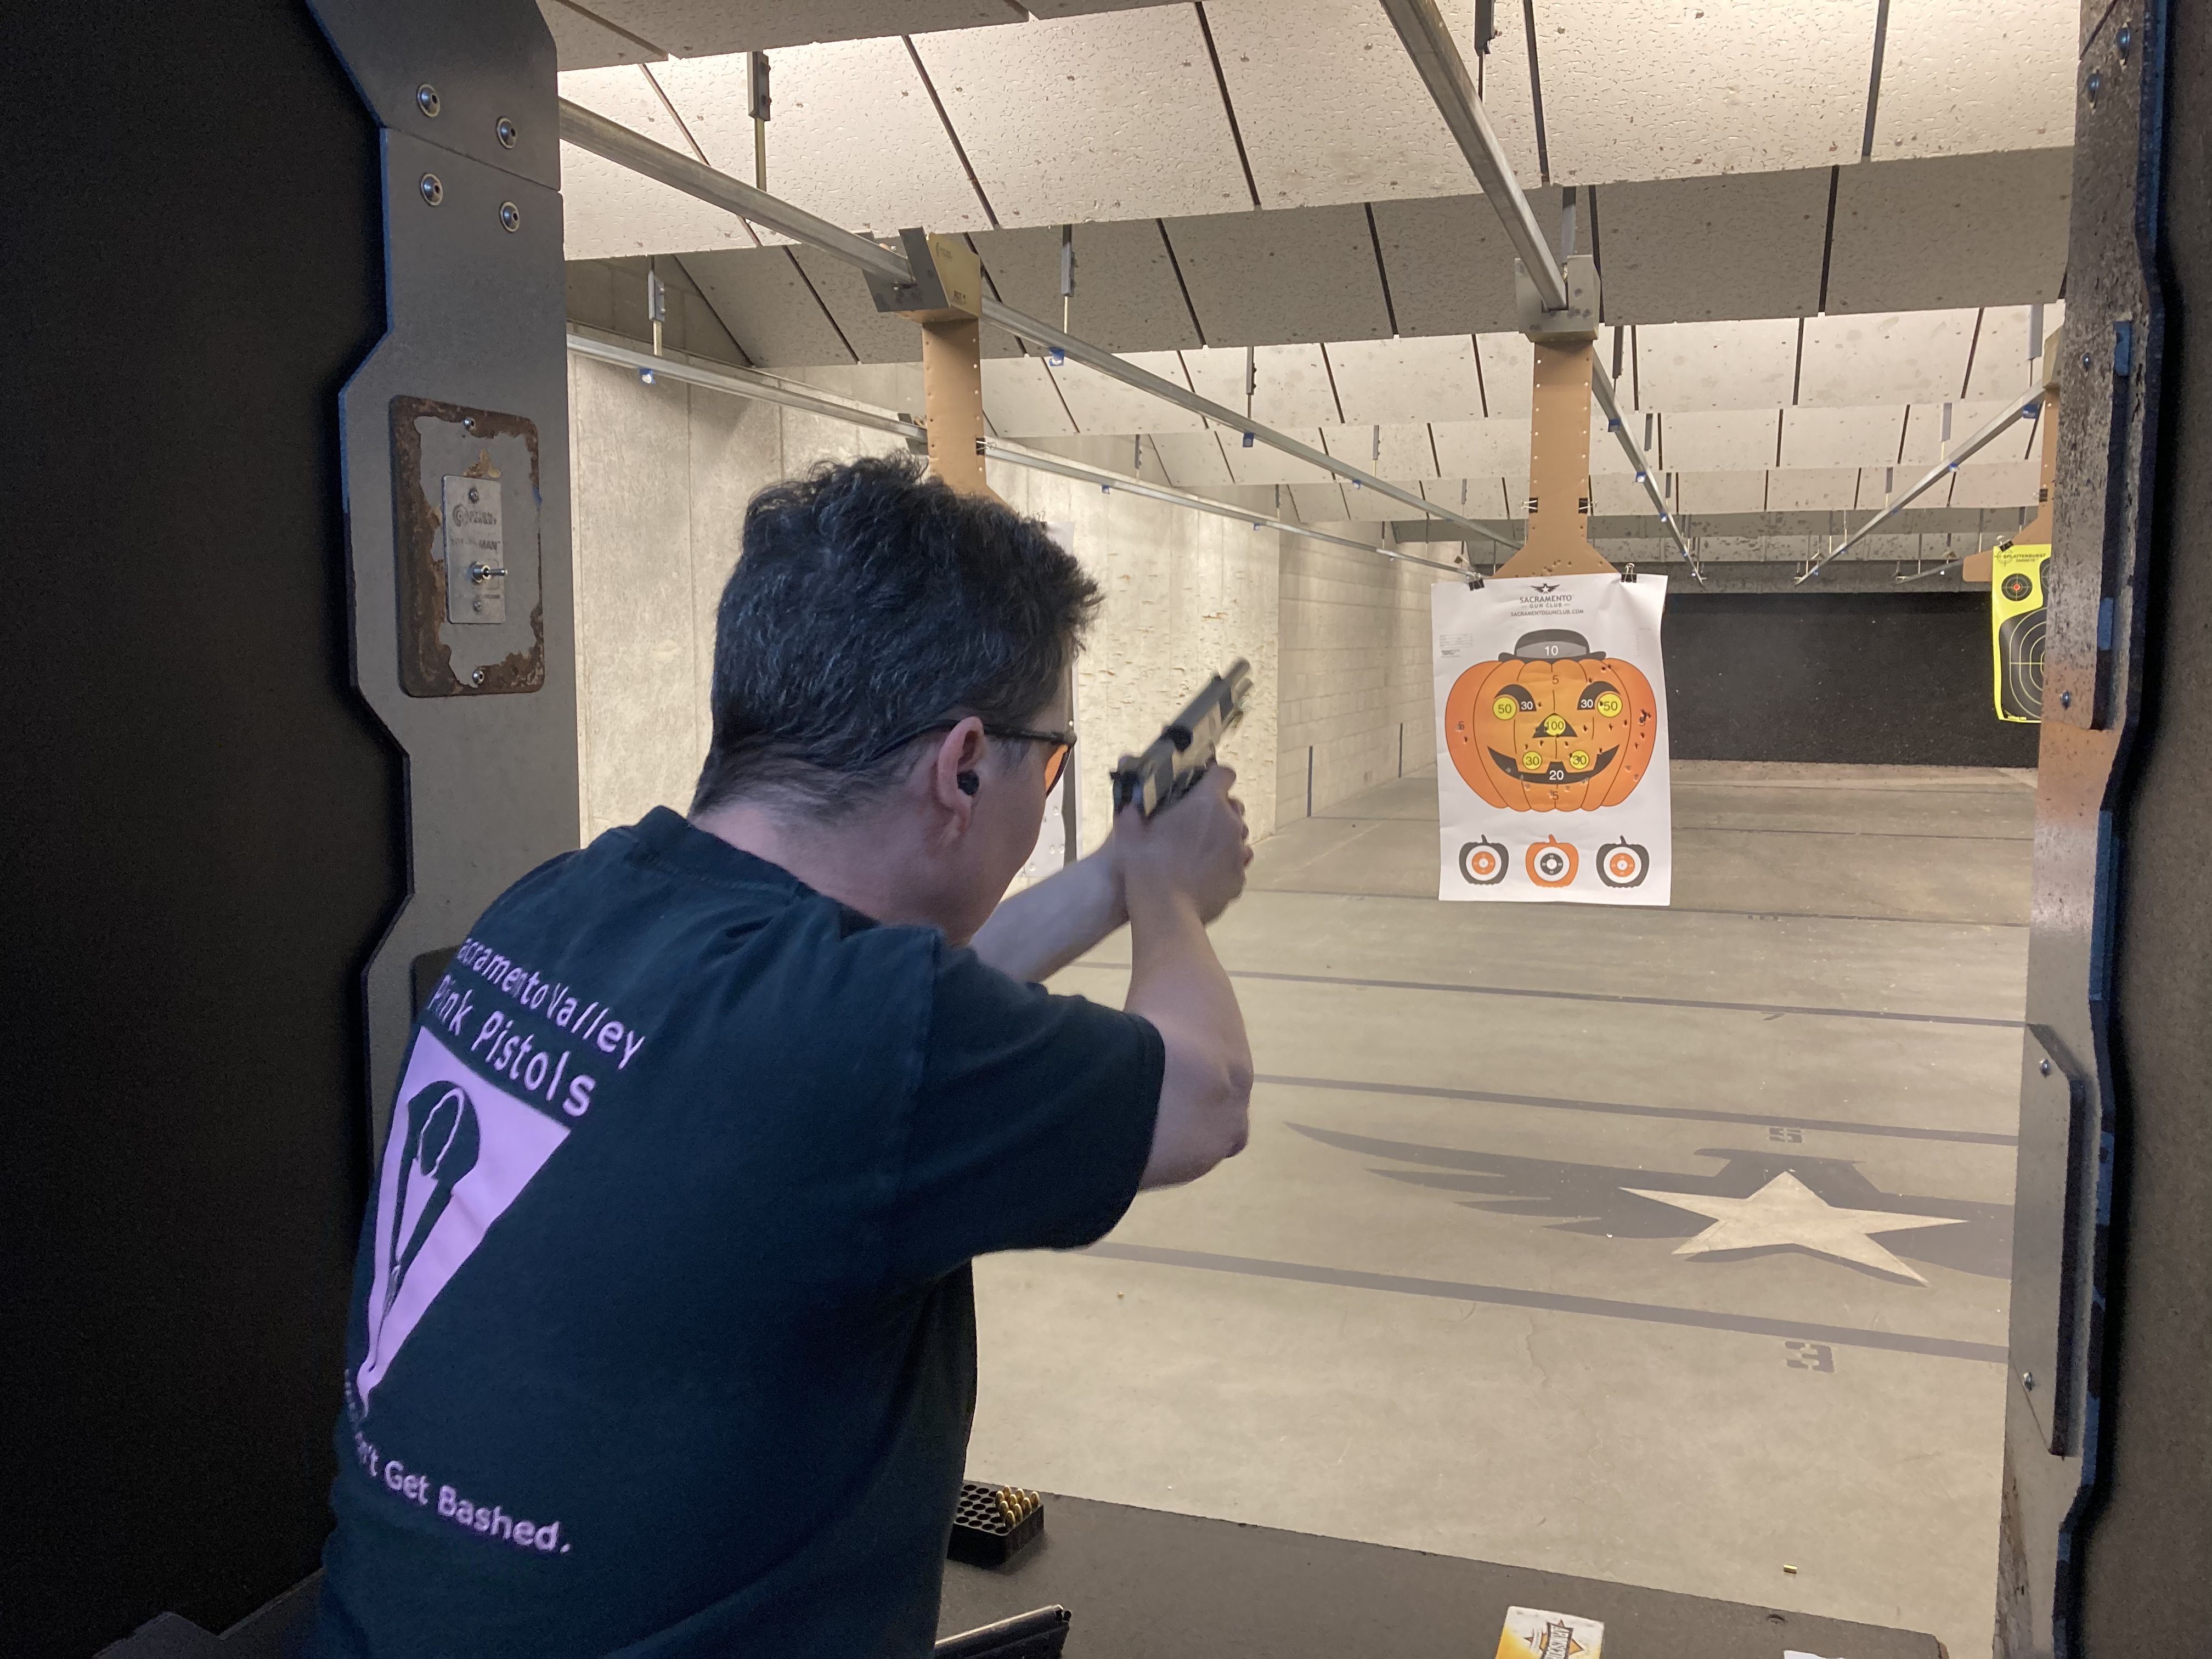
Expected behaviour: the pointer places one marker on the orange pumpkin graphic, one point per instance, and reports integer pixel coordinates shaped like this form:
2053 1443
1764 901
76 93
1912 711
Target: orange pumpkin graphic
1552 726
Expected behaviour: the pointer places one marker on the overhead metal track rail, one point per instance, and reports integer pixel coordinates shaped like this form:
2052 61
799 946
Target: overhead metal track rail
587 129
746 383
1998 426
1436 57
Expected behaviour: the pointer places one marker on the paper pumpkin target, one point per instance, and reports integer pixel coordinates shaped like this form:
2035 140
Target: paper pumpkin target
1621 864
1552 862
1482 862
1552 726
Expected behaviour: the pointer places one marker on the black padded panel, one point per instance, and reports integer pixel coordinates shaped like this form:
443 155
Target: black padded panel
1890 679
203 830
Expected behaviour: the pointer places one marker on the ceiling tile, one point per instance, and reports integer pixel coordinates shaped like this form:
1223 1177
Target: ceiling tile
1620 498
694 29
1127 297
1718 441
1606 454
1309 79
1268 278
1449 266
607 210
1704 493
766 304
1319 503
2002 365
1193 458
1912 356
1405 452
1293 390
1923 428
1880 485
853 139
1811 489
1261 464
1951 231
1680 250
894 386
1476 448
2011 88
581 41
1130 93
1996 483
1686 87
1019 398
1407 379
1474 497
1841 437
876 336
1100 404
1509 366
1680 367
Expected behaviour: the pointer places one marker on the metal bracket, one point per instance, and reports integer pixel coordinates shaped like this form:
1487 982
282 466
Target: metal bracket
947 285
1578 322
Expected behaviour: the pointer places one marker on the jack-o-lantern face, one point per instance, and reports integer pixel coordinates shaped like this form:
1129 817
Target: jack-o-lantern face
1552 726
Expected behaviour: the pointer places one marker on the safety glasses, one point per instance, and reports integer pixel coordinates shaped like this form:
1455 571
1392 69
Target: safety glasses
1059 745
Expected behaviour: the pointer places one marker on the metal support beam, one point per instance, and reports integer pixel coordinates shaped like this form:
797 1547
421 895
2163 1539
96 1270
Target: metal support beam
1617 423
1428 42
1982 440
619 144
749 383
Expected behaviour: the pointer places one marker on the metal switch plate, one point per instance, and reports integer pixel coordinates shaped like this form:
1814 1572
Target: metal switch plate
466 515
476 554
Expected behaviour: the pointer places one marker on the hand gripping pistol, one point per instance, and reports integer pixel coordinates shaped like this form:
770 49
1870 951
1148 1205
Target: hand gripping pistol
1184 752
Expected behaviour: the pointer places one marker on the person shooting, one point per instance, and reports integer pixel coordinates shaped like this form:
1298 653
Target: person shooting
684 1362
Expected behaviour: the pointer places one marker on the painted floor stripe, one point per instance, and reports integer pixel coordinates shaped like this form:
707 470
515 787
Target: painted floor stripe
1624 1108
1600 996
1842 1336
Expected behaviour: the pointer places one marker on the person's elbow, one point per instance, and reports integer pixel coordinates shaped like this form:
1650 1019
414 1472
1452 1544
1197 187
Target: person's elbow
1205 1115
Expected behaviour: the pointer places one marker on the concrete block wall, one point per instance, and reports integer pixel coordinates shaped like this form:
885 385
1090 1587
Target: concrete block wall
1356 704
1186 593
661 477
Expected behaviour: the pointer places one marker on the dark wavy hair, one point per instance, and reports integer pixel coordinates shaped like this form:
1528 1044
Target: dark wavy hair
869 601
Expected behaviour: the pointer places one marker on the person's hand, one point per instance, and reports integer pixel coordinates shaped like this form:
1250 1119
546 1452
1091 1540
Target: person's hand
1197 846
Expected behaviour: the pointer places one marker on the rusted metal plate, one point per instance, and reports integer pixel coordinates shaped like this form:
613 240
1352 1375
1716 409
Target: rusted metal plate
444 651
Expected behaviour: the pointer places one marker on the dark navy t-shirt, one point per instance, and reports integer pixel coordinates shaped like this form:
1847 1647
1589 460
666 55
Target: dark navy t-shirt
663 1336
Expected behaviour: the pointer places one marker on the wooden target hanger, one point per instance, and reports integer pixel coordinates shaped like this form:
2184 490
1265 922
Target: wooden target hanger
946 297
1557 543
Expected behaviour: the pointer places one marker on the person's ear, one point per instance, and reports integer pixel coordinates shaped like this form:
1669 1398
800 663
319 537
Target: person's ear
955 771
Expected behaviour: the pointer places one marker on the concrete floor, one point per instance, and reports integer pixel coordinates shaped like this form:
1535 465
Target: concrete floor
1443 1300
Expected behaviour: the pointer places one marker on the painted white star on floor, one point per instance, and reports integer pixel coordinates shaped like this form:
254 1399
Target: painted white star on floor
1786 1211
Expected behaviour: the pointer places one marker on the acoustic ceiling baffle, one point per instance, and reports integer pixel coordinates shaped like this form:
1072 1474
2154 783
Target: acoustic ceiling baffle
610 140
1428 42
737 382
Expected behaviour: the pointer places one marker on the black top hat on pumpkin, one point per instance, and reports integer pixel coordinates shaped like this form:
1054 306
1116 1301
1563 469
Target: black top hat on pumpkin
1549 645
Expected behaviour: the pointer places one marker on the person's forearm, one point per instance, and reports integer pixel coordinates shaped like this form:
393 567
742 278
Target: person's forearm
1177 984
1040 930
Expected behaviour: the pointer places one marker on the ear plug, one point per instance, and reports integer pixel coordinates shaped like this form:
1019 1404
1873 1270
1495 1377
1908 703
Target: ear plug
969 782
